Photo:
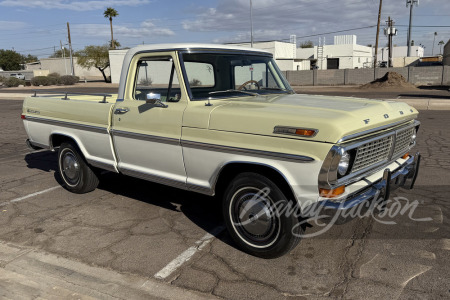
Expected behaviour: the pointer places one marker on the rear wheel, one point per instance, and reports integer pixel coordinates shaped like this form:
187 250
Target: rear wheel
77 175
253 214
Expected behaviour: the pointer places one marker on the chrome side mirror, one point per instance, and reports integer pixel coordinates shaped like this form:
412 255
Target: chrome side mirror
155 99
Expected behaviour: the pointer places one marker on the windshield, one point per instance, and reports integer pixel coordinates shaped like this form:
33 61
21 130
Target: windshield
219 75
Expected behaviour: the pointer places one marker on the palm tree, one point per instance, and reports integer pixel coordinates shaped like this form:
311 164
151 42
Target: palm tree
440 48
111 13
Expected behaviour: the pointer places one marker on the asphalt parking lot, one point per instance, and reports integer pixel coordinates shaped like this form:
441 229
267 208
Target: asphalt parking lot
168 239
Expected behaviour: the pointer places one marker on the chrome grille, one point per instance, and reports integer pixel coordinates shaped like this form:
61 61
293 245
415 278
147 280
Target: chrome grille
372 153
403 141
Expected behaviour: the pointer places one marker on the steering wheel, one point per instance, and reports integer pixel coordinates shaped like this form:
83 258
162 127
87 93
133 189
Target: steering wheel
248 82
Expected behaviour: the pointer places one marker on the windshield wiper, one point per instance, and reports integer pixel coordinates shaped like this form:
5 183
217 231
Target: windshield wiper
234 91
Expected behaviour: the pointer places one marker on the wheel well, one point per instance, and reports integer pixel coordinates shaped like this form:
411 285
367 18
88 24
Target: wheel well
232 170
57 139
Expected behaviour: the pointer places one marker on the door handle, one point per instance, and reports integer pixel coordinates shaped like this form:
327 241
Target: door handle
121 110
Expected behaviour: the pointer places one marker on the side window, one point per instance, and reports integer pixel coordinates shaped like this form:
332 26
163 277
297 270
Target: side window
200 74
157 76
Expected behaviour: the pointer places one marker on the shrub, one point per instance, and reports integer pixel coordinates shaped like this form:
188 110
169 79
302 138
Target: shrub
40 80
146 82
13 82
195 82
54 74
54 78
2 79
69 79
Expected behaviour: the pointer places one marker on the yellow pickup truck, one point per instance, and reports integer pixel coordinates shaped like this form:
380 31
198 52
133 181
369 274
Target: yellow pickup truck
223 121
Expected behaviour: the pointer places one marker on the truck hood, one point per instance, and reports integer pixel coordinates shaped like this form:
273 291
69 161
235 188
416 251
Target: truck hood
333 117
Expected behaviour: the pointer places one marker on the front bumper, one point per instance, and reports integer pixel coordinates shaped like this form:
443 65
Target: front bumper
405 177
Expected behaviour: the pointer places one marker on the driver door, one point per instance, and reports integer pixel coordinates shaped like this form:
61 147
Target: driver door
147 133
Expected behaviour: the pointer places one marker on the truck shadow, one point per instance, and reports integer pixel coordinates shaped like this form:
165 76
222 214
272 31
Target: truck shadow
203 211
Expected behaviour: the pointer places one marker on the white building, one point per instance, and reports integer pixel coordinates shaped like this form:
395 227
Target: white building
399 51
446 55
344 54
400 55
285 54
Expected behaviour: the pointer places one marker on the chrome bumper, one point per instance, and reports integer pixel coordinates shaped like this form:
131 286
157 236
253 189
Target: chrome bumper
404 177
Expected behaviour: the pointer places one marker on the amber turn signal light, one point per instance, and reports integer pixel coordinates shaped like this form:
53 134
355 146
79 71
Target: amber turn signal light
305 132
405 156
326 193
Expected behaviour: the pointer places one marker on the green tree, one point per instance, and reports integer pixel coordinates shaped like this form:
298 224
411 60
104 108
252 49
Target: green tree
307 44
94 56
59 53
10 60
110 13
30 58
117 44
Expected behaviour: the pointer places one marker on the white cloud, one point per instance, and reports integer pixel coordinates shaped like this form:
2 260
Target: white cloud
145 29
71 5
7 25
278 19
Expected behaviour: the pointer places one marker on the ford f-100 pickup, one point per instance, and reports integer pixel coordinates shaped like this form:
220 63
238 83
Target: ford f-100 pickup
223 121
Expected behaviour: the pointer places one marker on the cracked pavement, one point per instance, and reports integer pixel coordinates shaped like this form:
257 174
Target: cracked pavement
132 229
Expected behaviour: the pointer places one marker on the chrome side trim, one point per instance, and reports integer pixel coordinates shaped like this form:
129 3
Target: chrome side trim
251 152
91 128
145 137
362 133
154 178
200 189
102 165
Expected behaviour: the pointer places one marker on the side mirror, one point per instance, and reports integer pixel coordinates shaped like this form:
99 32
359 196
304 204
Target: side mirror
155 99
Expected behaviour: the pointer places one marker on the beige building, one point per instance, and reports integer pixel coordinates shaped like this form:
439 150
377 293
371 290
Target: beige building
446 58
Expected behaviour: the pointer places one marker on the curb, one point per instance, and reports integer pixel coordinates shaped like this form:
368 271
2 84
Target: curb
426 104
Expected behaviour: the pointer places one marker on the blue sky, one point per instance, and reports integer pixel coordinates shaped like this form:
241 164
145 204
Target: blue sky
38 26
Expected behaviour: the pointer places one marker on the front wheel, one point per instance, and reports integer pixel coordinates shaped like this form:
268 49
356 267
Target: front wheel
253 208
77 175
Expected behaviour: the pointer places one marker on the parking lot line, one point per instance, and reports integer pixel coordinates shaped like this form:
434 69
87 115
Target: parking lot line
29 196
187 255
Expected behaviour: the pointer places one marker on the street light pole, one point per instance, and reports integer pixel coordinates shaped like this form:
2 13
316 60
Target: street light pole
411 3
251 24
434 41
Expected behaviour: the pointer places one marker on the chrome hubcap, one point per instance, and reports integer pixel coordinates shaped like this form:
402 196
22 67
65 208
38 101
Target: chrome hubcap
70 168
253 217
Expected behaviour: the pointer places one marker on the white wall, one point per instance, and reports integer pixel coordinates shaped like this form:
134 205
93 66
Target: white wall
115 64
62 66
350 56
400 51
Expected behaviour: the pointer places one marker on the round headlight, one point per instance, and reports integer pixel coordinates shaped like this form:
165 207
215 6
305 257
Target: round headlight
413 138
344 163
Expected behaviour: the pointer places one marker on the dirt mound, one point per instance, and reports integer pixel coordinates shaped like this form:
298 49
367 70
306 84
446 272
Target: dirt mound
389 80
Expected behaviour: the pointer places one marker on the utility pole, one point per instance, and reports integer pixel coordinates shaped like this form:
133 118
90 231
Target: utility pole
434 41
378 33
251 24
72 71
390 31
411 3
